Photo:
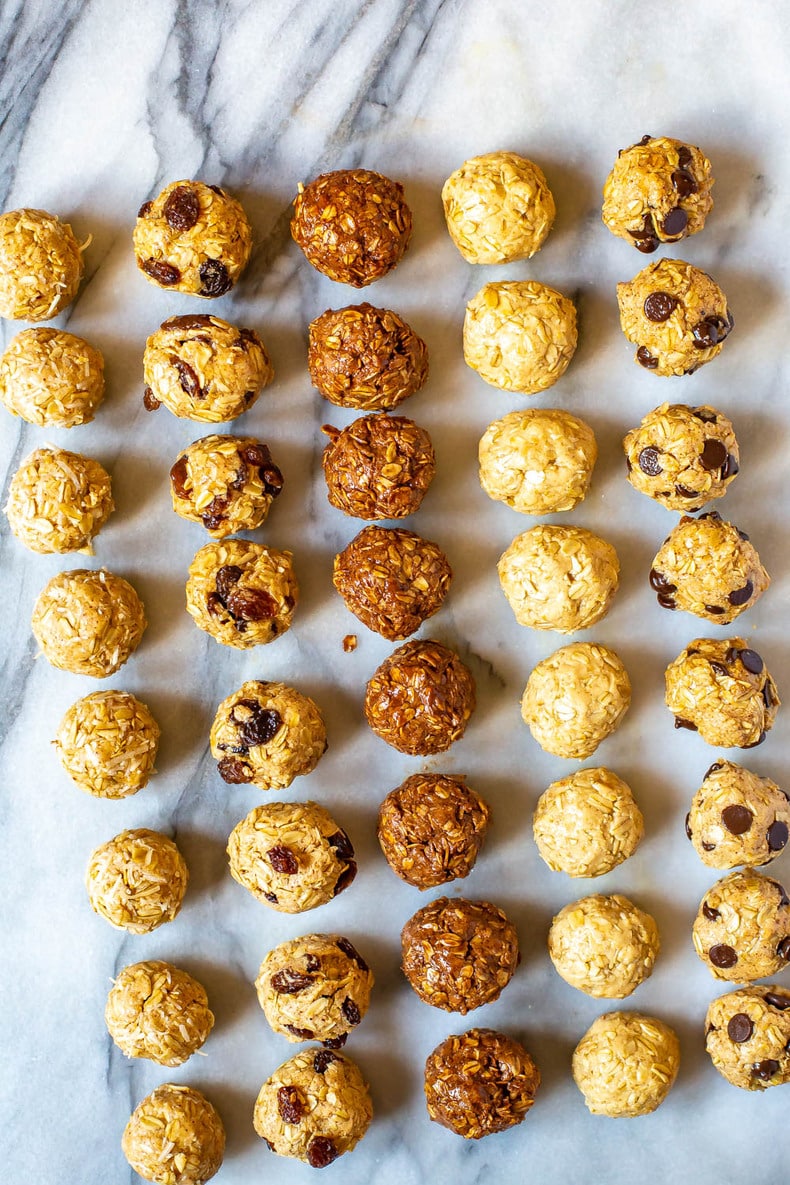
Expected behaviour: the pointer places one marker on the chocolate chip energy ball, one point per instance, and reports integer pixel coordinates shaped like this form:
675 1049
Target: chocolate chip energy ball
742 929
267 734
88 622
157 1011
40 265
479 1083
51 379
58 501
244 594
626 1064
431 829
604 945
682 456
747 1034
722 689
519 335
226 483
587 824
378 467
193 238
737 818
366 358
498 208
537 461
137 880
175 1137
107 744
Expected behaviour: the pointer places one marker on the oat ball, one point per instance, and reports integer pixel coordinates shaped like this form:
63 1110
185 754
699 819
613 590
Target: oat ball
431 829
742 929
51 379
315 988
576 698
291 855
682 456
88 622
479 1083
587 824
244 594
226 483
604 945
737 818
378 467
137 880
40 265
58 501
722 689
519 335
267 734
459 954
537 461
192 238
559 578
174 1137
157 1011
747 1034
421 698
625 1064
107 744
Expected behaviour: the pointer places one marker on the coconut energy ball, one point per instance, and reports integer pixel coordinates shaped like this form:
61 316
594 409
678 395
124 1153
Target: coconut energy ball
378 467
226 483
587 824
747 1034
682 456
137 880
519 335
88 622
576 698
157 1011
537 461
365 358
604 945
107 744
193 238
244 594
51 379
40 265
58 501
479 1083
626 1064
742 929
737 818
498 208
174 1137
722 689
267 734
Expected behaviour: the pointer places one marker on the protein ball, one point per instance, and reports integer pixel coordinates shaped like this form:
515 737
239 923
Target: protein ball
107 744
479 1083
498 208
58 501
88 622
737 818
459 954
676 315
40 265
314 1108
604 945
315 988
174 1137
722 689
366 358
157 1011
291 855
626 1064
244 594
431 829
536 461
576 698
378 467
51 379
742 929
519 335
226 483
747 1034
192 238
587 824
205 369
682 456
267 734
559 578
137 880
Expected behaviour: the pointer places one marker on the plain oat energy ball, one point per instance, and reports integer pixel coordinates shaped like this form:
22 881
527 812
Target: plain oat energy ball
747 1034
225 483
51 379
587 824
107 744
604 945
366 358
58 501
40 265
157 1011
742 929
626 1064
137 880
682 456
244 594
174 1137
537 461
267 734
479 1083
378 467
722 689
88 622
737 817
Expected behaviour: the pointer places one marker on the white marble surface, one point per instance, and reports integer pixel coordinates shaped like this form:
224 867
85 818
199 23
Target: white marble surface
107 102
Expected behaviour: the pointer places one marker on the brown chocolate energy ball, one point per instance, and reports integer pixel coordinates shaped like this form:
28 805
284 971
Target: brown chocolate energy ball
378 467
365 357
682 456
226 483
40 265
722 689
479 1083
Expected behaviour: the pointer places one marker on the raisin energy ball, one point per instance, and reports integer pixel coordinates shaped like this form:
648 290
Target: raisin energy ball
682 456
392 580
107 744
315 988
498 208
576 698
459 954
88 622
51 379
58 501
519 335
626 1064
604 945
722 689
366 358
267 734
174 1137
421 698
291 855
227 483
537 461
378 467
737 818
742 929
675 315
40 265
193 238
559 578
137 880
157 1011
244 594
587 824
479 1083
747 1034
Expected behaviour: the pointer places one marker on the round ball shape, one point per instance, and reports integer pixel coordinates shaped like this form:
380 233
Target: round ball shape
742 928
498 208
137 880
88 622
244 594
626 1064
51 379
604 945
40 265
721 688
267 734
519 335
226 483
174 1137
737 817
537 461
480 1082
366 358
588 823
747 1034
682 456
157 1011
58 501
107 744
378 467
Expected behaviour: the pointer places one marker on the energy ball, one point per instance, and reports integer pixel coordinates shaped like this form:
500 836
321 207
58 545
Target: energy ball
604 945
291 855
174 1137
157 1011
519 335
88 622
675 315
51 379
537 461
737 818
576 698
392 580
742 929
747 1034
378 467
366 358
267 734
626 1064
587 824
107 744
421 698
40 265
137 880
315 988
459 954
559 578
226 483
722 689
431 829
192 238
682 456
479 1083
498 208
58 501
244 594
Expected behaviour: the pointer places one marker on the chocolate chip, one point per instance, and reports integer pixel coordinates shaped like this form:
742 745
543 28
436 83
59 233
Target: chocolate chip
708 333
234 772
737 819
683 183
770 698
659 583
681 723
178 477
188 321
675 222
321 1152
150 401
718 667
688 825
214 278
783 898
713 455
649 462
322 1059
182 208
777 836
777 1001
351 951
709 912
645 238
729 468
706 414
283 860
666 601
765 1070
716 764
685 155
715 611
646 359
751 660
163 273
742 535
350 1011
290 982
659 306
740 1028
740 596
145 210
341 844
754 744
708 847
783 949
722 956
685 492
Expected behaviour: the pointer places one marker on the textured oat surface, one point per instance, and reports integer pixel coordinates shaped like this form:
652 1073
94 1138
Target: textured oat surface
742 928
737 817
226 483
51 379
657 192
58 501
538 461
40 265
107 744
88 622
378 467
604 945
576 698
480 1082
498 208
157 1011
137 880
588 823
626 1064
519 335
682 456
365 357
747 1034
174 1137
723 690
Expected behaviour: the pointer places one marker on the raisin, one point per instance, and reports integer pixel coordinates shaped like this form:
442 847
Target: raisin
322 1059
214 277
345 878
321 1152
312 962
341 844
215 605
216 189
290 982
189 321
181 209
150 401
290 1104
234 772
349 949
336 1042
302 1034
161 272
261 726
214 514
351 1011
240 476
256 454
178 477
283 859
271 897
227 576
251 604
145 210
189 381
